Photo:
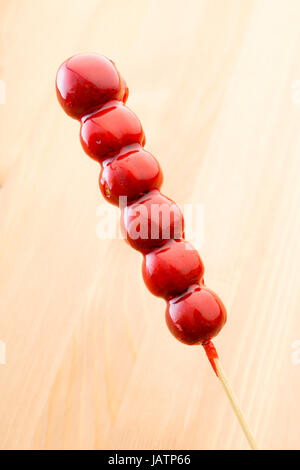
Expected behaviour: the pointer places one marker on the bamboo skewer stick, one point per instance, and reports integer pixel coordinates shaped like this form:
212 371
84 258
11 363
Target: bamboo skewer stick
217 366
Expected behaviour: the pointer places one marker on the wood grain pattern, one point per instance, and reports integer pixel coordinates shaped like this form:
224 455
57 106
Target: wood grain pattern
90 363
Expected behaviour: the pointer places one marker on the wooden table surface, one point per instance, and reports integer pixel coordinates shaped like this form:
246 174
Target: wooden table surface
89 361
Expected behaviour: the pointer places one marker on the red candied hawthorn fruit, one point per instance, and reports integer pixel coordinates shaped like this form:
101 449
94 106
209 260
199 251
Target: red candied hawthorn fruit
90 89
85 82
196 316
150 221
105 132
172 268
133 172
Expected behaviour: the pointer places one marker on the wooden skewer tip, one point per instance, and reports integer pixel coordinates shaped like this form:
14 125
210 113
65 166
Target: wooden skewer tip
214 360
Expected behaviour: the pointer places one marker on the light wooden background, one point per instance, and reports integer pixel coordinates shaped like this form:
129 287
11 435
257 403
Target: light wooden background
90 363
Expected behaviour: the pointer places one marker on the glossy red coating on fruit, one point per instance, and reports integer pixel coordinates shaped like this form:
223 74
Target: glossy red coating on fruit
196 316
132 173
151 221
85 82
169 270
105 132
90 89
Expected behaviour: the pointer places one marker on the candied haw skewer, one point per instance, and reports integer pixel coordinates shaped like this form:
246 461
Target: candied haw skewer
90 89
